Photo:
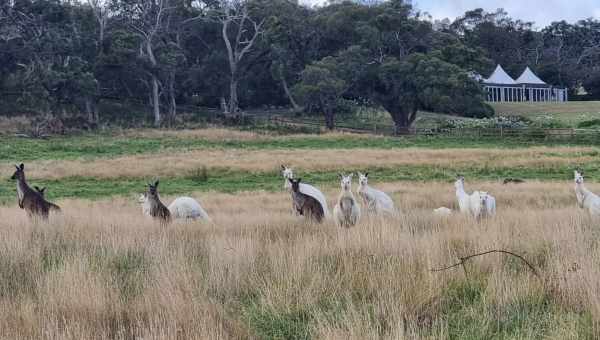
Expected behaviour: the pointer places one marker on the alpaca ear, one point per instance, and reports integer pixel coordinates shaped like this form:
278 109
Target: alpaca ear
22 166
299 180
290 180
282 167
156 183
366 174
42 190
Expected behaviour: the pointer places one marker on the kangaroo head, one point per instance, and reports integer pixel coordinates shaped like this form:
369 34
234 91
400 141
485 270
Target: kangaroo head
363 179
152 190
19 173
578 176
295 184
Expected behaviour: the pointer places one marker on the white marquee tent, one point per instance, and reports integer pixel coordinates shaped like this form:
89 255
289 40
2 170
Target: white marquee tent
500 87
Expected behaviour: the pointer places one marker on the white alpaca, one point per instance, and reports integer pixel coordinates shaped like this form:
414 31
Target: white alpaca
374 200
306 189
463 198
478 204
346 212
586 199
187 208
442 211
180 208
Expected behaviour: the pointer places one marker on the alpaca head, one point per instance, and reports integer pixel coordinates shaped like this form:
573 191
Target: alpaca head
152 190
460 182
295 183
346 181
578 176
19 173
287 173
363 179
483 197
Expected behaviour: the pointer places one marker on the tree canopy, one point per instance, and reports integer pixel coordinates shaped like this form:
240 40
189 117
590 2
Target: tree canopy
165 56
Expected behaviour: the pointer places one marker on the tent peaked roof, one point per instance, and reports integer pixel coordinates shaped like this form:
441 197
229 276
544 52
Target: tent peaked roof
500 77
528 77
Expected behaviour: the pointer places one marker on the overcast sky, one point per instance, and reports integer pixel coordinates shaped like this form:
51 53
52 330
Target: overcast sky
542 12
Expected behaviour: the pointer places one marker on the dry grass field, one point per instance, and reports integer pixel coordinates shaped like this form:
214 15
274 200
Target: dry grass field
102 270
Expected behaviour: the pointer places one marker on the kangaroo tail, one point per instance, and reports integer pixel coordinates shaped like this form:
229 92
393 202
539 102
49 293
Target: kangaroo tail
53 206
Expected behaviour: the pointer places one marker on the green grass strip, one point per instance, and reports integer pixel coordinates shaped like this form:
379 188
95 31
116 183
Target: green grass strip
229 181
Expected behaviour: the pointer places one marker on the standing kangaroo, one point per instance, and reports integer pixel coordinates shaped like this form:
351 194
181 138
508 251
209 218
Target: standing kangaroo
306 205
156 208
31 200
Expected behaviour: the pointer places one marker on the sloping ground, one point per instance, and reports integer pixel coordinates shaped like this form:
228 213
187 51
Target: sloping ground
570 113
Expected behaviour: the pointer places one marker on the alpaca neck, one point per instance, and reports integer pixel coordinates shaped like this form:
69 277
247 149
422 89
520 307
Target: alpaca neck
582 193
347 193
460 191
363 188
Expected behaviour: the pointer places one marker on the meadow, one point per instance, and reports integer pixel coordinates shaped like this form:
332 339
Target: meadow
102 270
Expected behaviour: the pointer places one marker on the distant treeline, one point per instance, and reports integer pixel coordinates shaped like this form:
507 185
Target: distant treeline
59 57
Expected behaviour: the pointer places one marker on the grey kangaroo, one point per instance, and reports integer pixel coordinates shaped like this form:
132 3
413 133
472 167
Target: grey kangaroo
157 209
305 205
31 200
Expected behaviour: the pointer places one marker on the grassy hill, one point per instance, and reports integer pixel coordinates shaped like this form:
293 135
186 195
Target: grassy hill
570 114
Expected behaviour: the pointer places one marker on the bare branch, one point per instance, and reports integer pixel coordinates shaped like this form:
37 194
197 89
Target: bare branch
466 258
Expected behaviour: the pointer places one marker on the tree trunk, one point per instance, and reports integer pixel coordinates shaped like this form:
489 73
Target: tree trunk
233 96
172 101
90 110
155 101
403 119
288 93
329 119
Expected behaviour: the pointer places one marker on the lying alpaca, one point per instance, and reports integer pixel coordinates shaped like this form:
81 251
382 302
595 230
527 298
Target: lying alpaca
347 211
32 201
187 208
442 211
154 206
375 200
586 199
304 188
304 204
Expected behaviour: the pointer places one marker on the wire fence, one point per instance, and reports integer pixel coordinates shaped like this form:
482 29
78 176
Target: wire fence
562 134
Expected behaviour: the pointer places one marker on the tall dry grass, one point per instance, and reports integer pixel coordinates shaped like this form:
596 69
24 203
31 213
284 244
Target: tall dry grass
102 270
